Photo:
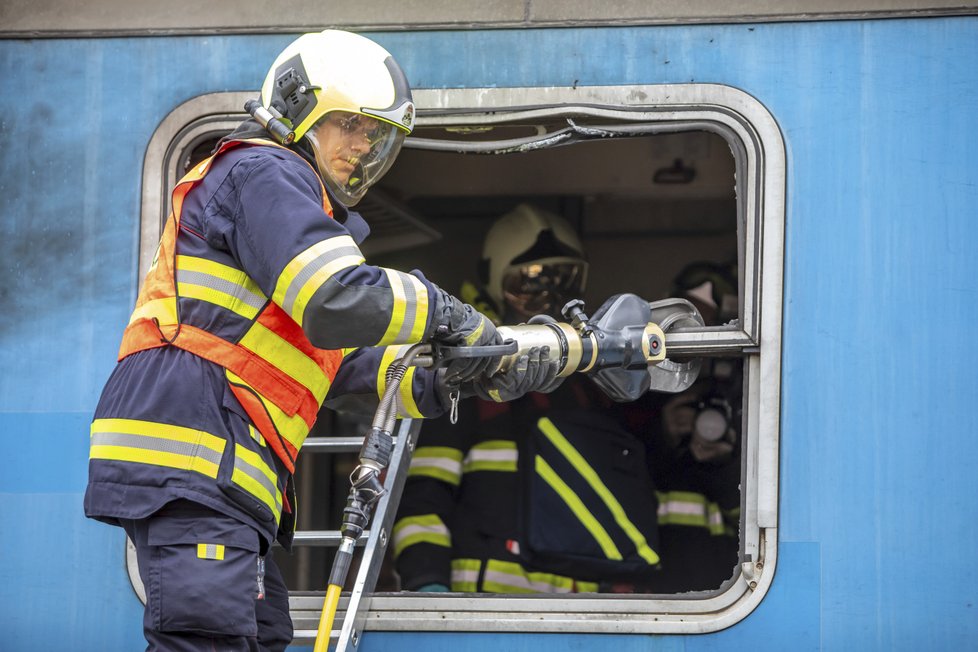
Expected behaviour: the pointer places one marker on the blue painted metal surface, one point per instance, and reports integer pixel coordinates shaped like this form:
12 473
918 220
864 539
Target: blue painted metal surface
879 495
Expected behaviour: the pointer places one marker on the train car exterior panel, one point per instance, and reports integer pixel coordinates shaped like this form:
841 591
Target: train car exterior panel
877 503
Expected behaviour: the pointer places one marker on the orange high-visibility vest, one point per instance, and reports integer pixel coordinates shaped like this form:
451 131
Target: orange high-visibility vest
277 375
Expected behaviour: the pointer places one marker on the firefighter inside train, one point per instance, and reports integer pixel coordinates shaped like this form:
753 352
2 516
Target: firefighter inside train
568 492
693 444
544 494
257 309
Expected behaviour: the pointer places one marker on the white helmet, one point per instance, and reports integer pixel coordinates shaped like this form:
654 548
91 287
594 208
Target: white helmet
351 101
533 261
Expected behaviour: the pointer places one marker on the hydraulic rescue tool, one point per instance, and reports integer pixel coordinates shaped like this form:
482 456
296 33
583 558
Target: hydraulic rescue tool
622 348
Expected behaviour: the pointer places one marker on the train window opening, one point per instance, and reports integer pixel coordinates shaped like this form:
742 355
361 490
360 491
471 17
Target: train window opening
665 199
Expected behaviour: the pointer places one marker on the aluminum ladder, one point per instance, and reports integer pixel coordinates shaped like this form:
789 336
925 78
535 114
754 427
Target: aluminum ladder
352 613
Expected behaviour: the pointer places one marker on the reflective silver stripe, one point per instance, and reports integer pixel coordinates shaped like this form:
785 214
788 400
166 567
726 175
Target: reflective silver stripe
491 455
494 455
465 575
408 530
427 528
444 463
258 476
682 507
314 266
410 307
518 580
210 551
159 444
239 292
409 312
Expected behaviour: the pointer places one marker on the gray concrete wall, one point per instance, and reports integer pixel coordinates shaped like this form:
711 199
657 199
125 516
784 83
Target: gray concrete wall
27 18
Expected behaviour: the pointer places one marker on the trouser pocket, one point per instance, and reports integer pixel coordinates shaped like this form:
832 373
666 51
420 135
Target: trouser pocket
205 573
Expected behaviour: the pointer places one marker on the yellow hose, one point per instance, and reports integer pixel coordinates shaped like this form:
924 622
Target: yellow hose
330 604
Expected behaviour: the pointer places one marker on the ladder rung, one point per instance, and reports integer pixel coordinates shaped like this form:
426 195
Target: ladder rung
327 538
332 444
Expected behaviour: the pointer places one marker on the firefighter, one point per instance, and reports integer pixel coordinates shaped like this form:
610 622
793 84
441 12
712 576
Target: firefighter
546 494
694 450
257 309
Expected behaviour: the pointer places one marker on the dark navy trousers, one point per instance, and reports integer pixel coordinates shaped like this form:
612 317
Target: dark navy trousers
208 587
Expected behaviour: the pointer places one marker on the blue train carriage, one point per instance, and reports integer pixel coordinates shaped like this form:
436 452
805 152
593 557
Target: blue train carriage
826 149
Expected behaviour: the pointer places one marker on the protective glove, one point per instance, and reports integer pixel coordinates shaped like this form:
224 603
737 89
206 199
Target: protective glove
459 324
434 587
532 372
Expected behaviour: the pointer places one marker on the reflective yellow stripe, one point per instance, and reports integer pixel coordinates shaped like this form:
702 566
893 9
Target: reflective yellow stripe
420 309
210 551
438 462
474 336
256 436
510 577
254 476
269 346
156 458
293 429
427 528
310 269
159 444
407 407
227 287
691 509
163 310
578 508
465 575
258 490
580 464
409 314
492 455
398 309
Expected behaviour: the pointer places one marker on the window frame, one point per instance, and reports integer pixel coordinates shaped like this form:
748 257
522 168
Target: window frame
758 148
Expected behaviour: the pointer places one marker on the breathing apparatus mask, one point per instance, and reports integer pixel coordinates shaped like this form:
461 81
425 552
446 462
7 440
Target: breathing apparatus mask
532 263
543 288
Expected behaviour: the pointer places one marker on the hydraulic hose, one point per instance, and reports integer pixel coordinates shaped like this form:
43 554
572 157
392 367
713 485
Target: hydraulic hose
365 490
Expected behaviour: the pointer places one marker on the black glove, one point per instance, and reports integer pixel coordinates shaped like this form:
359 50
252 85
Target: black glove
459 324
533 371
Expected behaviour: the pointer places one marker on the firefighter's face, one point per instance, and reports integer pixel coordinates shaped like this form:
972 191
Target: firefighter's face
343 139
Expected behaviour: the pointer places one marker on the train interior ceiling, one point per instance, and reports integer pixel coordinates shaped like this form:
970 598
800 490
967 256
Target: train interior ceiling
645 207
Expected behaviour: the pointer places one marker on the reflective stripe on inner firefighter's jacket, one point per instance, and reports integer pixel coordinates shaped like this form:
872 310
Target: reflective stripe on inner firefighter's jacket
465 575
438 462
417 529
592 478
578 508
693 510
492 455
510 577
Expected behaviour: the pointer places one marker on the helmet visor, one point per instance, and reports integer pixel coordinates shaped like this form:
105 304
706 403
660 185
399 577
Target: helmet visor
353 151
535 289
